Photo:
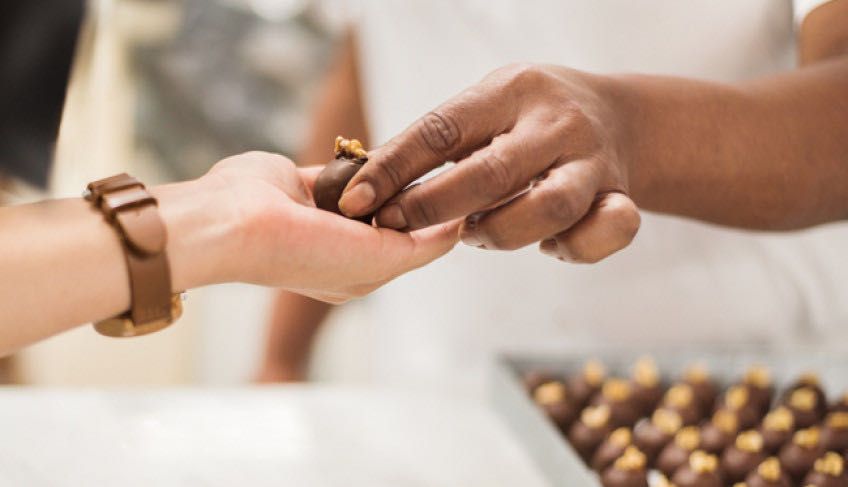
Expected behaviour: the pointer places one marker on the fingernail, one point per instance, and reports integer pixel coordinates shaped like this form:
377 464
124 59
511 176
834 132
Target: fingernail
468 234
549 247
358 199
392 217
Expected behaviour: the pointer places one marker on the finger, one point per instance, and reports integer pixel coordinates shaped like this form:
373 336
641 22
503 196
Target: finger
309 175
363 255
552 205
447 133
609 227
499 170
412 250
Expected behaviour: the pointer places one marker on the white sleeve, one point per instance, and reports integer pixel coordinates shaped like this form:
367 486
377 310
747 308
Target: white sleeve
804 7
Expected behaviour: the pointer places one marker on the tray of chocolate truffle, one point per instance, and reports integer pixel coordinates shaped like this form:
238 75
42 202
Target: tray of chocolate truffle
723 419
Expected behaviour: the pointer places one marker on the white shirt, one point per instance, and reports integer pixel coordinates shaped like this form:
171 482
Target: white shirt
680 282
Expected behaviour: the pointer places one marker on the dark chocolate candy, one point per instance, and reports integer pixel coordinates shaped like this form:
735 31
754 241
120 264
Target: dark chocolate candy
652 435
760 387
828 471
701 470
719 432
629 470
769 473
612 448
587 383
810 380
834 435
618 395
535 378
703 386
587 433
350 158
799 455
553 398
743 456
646 385
806 406
738 399
681 399
677 452
777 429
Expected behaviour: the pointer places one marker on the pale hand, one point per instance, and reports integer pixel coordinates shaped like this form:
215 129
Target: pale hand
284 241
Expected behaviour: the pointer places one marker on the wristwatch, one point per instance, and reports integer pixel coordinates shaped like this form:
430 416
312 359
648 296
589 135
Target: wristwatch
133 212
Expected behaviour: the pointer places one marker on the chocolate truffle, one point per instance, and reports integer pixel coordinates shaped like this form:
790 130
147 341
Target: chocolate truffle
677 452
700 471
587 433
741 458
737 399
769 474
350 158
629 470
681 399
618 395
652 435
834 435
805 406
760 387
703 387
658 479
840 405
553 398
828 471
810 380
799 455
612 448
645 381
535 378
719 432
587 383
777 429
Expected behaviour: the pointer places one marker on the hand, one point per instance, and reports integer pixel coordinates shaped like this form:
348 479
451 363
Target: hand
539 159
284 241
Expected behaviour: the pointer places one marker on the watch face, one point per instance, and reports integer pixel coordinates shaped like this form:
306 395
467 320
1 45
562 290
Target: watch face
37 44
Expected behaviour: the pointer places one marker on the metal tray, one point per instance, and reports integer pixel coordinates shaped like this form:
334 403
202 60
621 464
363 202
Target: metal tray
555 458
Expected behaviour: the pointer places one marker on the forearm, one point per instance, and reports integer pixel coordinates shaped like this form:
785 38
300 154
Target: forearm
62 264
766 154
338 107
295 321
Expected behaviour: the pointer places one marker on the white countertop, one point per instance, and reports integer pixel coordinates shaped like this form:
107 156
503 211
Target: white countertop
299 436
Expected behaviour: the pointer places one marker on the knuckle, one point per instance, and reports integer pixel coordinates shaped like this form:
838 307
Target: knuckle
522 75
494 174
390 169
560 205
439 132
419 213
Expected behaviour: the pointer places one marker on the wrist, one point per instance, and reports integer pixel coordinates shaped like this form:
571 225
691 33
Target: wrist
623 110
203 233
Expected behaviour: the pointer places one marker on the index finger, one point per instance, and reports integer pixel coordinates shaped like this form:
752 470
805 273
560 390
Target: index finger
449 132
309 174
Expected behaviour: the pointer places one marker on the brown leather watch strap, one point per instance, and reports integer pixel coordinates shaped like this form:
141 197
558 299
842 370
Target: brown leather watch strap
133 211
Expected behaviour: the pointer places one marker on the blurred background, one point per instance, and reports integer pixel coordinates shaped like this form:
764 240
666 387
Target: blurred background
163 89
